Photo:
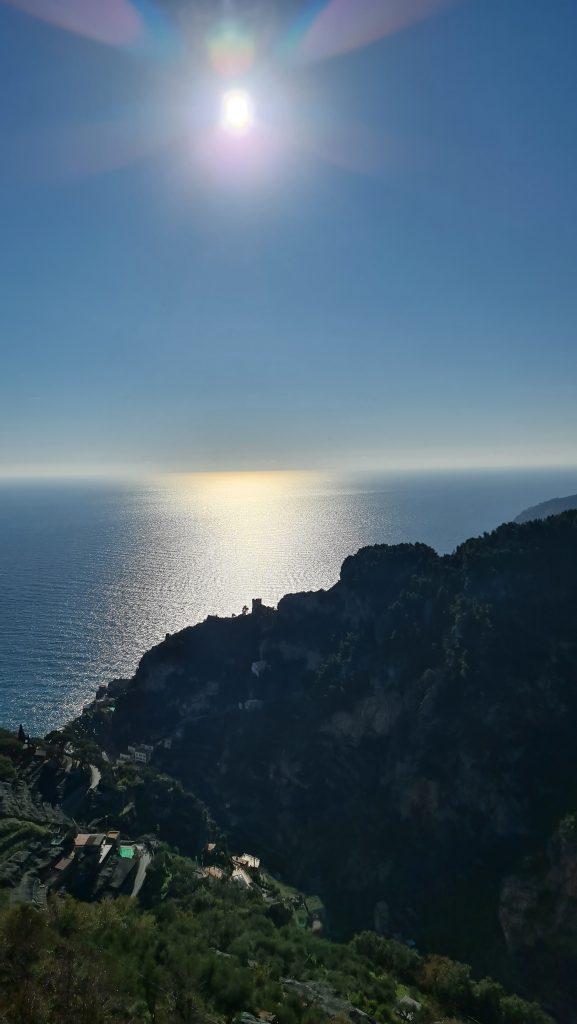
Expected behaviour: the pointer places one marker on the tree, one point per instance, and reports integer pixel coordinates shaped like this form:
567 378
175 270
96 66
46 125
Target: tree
449 982
487 996
7 769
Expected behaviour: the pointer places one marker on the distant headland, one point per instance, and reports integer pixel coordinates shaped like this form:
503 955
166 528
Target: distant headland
553 507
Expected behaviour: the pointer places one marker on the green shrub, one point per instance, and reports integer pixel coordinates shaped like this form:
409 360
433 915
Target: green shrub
517 1011
449 982
7 769
387 954
10 747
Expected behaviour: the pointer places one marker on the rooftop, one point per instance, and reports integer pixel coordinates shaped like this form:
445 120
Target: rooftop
64 862
247 860
89 839
212 872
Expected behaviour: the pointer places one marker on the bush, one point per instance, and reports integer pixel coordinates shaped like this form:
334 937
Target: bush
517 1011
229 985
487 997
7 769
387 954
10 747
449 982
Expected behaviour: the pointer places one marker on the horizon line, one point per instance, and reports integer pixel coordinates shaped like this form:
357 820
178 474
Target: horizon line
128 473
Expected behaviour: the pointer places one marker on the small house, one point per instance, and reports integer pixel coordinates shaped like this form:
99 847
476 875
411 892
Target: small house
64 863
140 754
213 871
89 842
247 861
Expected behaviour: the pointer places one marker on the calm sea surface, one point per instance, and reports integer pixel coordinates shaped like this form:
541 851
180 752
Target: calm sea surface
93 574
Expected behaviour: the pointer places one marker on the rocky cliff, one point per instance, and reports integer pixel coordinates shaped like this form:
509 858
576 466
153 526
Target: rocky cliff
403 744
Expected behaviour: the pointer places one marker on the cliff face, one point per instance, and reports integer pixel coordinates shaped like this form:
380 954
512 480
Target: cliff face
400 743
538 916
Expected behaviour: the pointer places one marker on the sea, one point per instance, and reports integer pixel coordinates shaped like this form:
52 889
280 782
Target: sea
95 572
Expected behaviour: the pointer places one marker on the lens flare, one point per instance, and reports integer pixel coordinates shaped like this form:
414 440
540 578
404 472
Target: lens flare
137 25
237 112
231 51
328 29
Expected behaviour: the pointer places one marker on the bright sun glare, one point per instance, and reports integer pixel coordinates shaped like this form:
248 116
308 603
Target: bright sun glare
236 111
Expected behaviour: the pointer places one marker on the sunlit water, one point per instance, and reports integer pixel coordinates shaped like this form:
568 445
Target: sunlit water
93 574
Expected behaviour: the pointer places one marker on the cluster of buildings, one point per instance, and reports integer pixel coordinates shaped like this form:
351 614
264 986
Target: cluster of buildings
97 859
140 754
97 845
242 869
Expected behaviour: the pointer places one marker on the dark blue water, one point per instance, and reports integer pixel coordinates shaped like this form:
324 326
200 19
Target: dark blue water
93 574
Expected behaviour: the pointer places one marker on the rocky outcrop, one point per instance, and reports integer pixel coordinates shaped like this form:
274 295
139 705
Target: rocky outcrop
315 993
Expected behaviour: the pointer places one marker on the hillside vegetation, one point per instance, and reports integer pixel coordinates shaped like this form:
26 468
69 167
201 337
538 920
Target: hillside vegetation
201 951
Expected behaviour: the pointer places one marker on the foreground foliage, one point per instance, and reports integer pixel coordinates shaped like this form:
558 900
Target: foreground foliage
199 951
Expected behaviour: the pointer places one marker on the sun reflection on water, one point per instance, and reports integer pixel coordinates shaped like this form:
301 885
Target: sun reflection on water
248 532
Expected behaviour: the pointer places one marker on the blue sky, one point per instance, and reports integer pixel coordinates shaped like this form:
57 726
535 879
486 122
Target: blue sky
397 288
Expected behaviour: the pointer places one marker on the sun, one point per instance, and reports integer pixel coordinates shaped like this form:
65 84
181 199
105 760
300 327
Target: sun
237 115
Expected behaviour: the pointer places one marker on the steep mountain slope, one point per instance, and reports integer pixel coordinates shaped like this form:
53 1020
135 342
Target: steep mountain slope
403 743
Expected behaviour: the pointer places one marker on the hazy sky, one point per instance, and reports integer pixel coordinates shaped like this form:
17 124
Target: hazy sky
382 271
